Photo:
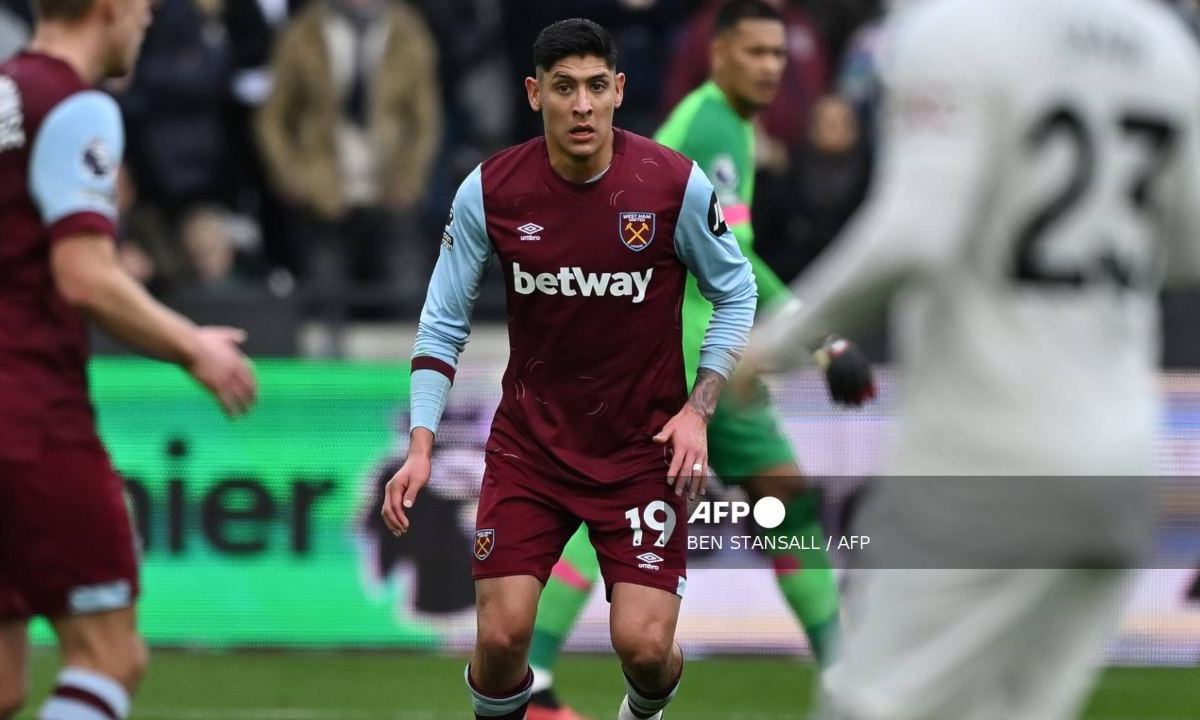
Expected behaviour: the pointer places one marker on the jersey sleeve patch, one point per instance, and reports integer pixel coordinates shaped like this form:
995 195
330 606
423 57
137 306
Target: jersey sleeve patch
447 238
716 217
724 176
75 159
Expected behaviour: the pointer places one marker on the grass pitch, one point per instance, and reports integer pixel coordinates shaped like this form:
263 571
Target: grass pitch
386 686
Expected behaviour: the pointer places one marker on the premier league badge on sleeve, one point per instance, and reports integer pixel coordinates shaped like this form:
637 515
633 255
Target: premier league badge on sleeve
637 230
96 161
485 541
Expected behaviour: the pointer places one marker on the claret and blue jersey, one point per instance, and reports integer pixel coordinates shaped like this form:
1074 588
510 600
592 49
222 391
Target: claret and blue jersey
60 149
595 276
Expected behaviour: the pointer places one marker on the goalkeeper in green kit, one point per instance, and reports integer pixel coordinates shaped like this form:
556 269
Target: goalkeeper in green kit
746 443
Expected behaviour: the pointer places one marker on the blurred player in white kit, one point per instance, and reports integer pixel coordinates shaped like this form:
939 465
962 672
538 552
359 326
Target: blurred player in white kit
1040 181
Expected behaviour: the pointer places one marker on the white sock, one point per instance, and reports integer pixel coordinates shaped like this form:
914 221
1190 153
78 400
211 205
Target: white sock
506 708
640 707
542 679
85 695
626 713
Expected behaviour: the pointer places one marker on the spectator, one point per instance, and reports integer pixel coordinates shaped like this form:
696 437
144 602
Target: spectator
805 79
830 179
174 107
349 131
474 74
643 30
14 33
838 20
21 9
211 252
253 26
144 242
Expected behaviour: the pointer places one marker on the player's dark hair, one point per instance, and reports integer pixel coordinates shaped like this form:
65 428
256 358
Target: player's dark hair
61 9
566 38
735 11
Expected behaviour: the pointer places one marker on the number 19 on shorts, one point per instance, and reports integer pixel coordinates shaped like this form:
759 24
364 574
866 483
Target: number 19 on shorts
658 517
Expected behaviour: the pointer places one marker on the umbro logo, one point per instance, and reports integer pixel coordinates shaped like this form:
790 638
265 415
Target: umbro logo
650 561
529 232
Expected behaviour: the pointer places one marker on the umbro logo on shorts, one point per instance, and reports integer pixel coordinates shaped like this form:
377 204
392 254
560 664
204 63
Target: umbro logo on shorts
485 541
650 561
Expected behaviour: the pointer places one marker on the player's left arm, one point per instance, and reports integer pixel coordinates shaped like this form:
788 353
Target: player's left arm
930 182
705 245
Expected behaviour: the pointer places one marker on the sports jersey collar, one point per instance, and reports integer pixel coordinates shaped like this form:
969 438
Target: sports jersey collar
582 191
54 60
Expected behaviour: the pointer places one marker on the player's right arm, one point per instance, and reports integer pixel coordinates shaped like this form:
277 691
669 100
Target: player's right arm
931 177
88 275
442 334
72 180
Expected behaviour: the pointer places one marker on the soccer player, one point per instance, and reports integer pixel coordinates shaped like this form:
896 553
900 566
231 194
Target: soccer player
66 545
596 229
1040 179
747 446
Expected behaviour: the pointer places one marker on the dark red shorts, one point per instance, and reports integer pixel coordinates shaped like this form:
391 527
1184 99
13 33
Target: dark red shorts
66 542
525 518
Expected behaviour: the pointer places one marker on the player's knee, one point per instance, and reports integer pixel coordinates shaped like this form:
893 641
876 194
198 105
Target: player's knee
504 643
644 651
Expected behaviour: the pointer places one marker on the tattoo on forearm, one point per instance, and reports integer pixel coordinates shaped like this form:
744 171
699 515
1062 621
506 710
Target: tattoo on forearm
705 392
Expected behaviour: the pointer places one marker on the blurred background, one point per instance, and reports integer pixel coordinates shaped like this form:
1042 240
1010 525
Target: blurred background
257 131
256 135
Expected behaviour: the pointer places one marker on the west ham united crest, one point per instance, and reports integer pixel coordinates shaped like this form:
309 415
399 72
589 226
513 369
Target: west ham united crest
637 230
485 540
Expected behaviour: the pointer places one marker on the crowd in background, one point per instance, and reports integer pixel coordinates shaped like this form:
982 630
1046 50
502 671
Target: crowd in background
312 147
315 145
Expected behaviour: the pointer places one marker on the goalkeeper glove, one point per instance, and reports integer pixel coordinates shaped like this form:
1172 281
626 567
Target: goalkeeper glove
847 372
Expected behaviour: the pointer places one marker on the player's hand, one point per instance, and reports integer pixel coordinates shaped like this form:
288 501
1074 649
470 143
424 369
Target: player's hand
847 372
218 364
688 434
400 493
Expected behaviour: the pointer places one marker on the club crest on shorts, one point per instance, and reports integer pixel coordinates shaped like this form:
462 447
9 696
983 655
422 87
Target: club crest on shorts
637 230
485 540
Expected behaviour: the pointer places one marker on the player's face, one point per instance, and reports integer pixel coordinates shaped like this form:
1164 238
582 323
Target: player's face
577 99
749 60
127 26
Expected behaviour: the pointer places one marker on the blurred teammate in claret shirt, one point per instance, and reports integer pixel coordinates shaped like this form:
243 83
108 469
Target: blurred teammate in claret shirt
66 543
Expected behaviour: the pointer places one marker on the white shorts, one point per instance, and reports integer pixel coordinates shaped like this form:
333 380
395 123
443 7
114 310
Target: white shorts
999 644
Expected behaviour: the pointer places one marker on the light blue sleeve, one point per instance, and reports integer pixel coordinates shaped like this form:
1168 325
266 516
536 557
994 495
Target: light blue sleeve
75 157
708 248
446 317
